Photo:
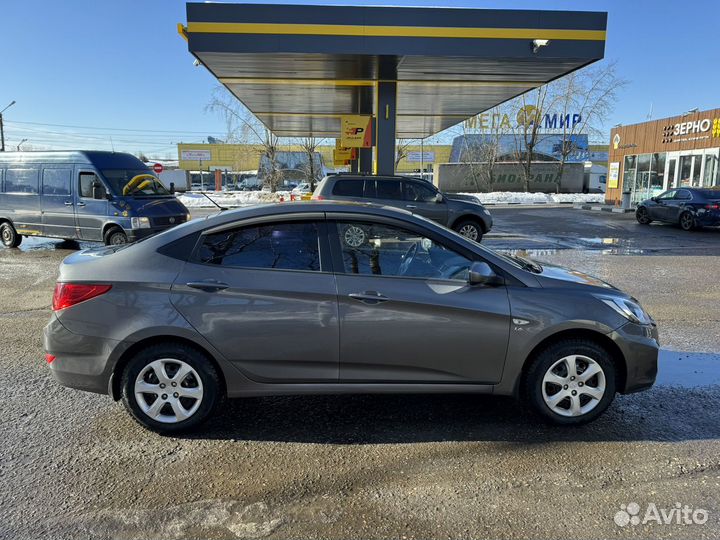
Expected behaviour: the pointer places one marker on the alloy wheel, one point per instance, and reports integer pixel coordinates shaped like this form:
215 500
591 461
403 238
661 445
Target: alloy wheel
686 221
469 231
168 390
573 386
354 236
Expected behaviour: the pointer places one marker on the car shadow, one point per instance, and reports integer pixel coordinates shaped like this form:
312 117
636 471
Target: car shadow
661 414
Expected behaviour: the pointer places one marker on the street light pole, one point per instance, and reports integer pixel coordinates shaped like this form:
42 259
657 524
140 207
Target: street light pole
20 144
2 131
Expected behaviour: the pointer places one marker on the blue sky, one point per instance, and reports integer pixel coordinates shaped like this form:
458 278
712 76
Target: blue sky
120 65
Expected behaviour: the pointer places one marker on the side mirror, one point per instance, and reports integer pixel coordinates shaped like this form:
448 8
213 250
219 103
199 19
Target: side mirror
482 274
654 199
98 191
439 198
172 188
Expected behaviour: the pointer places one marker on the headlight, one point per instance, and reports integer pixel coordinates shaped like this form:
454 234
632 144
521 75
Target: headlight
140 223
188 217
632 311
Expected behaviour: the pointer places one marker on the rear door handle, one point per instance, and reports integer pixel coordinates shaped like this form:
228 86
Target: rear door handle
369 297
208 285
81 204
68 203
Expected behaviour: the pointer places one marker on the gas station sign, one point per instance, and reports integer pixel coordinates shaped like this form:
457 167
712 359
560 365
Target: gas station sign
356 131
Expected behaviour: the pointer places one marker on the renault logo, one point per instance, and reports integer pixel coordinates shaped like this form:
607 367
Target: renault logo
172 220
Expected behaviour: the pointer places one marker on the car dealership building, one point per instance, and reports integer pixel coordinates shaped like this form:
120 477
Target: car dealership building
648 158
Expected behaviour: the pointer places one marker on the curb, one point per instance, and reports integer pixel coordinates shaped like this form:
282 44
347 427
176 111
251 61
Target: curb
612 209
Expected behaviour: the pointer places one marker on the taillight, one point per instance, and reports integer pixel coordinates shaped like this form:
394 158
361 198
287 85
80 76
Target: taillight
49 358
318 197
712 206
69 294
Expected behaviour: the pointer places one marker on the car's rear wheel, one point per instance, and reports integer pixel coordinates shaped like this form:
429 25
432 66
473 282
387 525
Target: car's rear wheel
469 229
9 236
169 388
687 221
115 236
571 382
643 216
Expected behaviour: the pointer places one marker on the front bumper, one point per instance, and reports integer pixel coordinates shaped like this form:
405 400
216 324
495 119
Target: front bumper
81 362
640 347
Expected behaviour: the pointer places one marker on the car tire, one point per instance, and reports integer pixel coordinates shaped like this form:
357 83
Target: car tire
643 216
115 236
687 221
182 407
469 229
9 236
548 386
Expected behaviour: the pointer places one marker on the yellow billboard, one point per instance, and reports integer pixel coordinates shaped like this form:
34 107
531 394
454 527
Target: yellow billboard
356 131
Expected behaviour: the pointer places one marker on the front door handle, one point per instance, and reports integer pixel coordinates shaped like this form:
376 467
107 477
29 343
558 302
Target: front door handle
208 285
68 203
410 206
369 297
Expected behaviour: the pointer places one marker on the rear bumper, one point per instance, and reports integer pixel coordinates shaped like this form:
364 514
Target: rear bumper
708 219
81 362
640 347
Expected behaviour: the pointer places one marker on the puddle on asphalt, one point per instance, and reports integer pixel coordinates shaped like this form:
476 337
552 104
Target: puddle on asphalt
30 243
688 369
603 241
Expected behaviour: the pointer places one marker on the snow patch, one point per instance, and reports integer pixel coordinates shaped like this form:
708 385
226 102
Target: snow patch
232 200
514 197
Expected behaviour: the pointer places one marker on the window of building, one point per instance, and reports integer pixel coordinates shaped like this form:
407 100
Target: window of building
685 170
56 181
21 181
697 163
629 165
671 173
384 250
348 188
281 246
711 173
657 171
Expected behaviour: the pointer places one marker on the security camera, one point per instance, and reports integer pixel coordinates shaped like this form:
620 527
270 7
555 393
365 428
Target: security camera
537 43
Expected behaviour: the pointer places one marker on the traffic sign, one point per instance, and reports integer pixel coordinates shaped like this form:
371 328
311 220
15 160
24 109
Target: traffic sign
157 168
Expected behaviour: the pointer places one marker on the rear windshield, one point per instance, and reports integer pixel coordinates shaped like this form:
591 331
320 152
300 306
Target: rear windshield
120 183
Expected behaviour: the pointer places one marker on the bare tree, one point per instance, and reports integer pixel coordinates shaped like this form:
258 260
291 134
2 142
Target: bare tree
402 148
312 169
242 125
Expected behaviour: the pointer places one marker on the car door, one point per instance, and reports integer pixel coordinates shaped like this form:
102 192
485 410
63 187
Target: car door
407 313
57 201
90 212
678 204
659 208
389 192
422 199
263 294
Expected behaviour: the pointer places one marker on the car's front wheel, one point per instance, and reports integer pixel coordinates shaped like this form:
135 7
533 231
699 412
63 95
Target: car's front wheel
469 229
115 236
571 382
170 388
643 216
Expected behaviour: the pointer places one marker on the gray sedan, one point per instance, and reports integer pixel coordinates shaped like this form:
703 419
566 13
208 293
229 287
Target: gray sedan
322 297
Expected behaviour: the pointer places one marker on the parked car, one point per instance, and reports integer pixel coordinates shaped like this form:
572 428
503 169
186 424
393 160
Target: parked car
690 208
94 196
302 192
329 297
463 214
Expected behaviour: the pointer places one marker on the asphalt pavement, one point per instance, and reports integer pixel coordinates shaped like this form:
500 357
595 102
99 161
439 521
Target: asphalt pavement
74 465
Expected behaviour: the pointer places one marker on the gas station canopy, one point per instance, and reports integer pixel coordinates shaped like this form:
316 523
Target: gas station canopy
299 68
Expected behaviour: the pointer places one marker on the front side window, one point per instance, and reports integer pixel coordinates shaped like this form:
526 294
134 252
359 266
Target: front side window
56 181
416 192
281 246
666 196
385 250
21 181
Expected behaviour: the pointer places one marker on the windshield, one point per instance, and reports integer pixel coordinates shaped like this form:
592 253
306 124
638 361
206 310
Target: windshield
134 183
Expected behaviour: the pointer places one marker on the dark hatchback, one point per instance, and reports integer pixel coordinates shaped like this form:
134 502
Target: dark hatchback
691 208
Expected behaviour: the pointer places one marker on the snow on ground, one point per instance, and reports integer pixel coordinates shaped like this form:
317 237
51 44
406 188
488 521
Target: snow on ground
239 198
245 198
514 197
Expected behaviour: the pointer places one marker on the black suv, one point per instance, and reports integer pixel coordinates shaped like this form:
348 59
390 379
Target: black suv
464 214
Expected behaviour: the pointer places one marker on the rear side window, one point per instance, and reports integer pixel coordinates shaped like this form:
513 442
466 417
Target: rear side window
683 194
21 181
348 188
56 181
284 246
389 189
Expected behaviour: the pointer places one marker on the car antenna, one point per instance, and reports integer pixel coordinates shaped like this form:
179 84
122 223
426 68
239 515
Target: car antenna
222 208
